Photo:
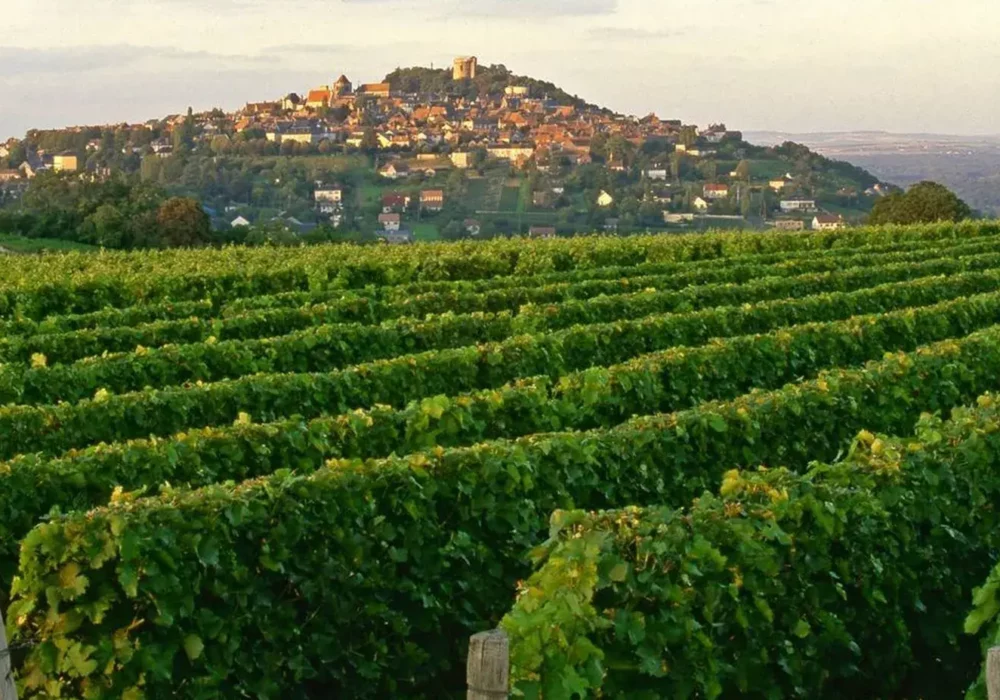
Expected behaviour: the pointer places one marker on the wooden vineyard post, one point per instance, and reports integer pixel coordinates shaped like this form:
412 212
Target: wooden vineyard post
8 691
993 673
488 668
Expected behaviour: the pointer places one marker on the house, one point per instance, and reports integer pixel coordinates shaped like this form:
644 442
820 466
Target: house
376 89
542 232
712 191
399 237
395 201
432 200
329 193
472 227
670 217
9 175
461 159
827 222
319 98
515 154
611 226
655 173
390 222
239 222
699 204
65 162
778 184
394 170
789 225
798 205
604 199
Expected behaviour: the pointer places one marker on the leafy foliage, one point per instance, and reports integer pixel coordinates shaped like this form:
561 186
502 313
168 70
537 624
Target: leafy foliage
925 202
313 472
846 581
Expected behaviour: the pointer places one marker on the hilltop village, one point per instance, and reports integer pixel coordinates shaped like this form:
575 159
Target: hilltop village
468 151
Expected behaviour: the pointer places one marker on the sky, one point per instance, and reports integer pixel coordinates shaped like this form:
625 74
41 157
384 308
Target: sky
803 65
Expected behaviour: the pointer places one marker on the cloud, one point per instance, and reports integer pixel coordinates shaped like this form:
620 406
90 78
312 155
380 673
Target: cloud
630 34
508 9
23 62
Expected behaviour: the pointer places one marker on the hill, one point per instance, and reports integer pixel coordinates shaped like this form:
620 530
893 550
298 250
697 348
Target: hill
490 81
421 156
969 165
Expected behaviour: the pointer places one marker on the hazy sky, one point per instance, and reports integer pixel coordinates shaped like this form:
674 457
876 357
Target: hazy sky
803 65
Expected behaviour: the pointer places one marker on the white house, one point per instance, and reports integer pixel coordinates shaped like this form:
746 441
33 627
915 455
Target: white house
656 173
798 205
827 222
604 199
670 217
394 171
238 222
699 204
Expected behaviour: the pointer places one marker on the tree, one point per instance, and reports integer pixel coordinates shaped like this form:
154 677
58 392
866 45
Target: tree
106 227
925 202
743 171
181 221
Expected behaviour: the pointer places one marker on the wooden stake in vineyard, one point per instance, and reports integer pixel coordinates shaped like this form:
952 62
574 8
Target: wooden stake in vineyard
488 668
993 673
8 691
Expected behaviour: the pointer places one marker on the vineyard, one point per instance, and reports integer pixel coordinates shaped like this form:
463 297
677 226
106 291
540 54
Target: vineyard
668 466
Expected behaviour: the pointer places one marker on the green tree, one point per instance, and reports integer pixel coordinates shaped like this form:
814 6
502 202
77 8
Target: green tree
925 202
743 171
106 227
181 221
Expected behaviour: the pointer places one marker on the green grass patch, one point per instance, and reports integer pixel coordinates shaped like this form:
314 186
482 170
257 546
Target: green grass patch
426 232
20 244
510 198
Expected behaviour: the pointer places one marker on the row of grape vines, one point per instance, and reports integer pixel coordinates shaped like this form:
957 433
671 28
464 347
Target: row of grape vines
314 472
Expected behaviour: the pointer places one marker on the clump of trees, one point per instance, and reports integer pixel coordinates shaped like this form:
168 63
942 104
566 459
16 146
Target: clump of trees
925 202
120 212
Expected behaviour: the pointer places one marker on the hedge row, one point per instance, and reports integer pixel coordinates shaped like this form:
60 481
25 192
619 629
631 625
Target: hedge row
848 581
115 417
364 579
107 318
428 297
30 485
327 347
69 347
79 284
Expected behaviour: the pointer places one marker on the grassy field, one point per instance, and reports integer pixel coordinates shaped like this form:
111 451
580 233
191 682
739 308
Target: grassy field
19 244
510 198
426 232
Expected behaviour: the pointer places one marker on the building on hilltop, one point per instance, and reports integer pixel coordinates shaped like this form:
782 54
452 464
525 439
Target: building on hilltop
342 87
465 68
377 89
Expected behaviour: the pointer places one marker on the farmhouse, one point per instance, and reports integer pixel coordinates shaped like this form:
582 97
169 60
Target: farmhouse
827 222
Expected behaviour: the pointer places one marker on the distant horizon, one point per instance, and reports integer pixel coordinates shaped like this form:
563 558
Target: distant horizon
773 65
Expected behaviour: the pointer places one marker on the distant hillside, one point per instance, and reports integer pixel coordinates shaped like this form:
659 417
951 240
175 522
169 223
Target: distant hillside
490 81
969 165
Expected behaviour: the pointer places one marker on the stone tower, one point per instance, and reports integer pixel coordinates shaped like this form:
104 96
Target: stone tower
342 87
465 68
